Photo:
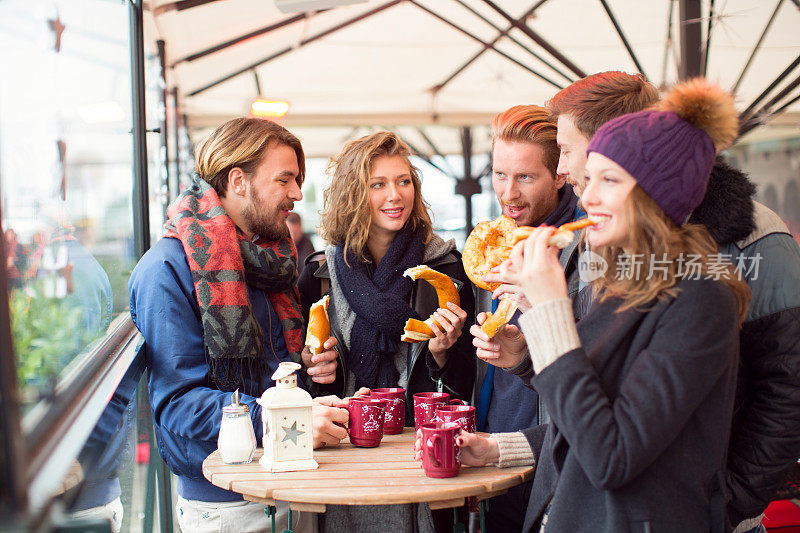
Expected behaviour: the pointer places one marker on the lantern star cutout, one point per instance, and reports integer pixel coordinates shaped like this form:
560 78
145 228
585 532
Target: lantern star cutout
292 433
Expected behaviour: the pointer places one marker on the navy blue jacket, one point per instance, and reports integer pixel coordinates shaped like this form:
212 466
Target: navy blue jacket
186 405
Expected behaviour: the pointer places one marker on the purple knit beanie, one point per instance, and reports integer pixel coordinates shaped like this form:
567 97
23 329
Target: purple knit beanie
670 150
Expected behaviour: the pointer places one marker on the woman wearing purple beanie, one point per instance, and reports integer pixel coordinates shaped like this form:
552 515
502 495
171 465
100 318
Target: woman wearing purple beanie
641 392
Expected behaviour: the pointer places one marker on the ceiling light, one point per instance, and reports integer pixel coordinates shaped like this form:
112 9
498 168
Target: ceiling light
268 108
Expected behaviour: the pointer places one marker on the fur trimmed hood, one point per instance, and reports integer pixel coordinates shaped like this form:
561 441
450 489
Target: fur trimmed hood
727 208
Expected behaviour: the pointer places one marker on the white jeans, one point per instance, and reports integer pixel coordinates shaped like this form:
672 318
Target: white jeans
238 517
111 511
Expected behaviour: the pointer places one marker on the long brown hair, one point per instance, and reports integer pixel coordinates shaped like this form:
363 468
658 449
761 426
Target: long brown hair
345 215
661 246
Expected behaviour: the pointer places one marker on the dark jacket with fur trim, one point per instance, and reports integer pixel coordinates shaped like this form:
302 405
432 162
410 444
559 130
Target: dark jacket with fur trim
765 434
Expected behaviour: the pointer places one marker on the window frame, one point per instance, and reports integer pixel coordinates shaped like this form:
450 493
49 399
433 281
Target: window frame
60 433
13 496
30 461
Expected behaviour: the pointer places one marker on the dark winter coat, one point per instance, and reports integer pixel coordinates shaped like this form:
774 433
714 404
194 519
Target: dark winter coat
640 416
765 435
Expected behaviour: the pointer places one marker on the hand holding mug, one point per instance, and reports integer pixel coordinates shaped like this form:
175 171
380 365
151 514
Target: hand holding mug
476 450
441 457
366 421
328 421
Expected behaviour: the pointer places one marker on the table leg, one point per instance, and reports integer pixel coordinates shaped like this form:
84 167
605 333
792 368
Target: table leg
289 527
458 527
271 512
477 520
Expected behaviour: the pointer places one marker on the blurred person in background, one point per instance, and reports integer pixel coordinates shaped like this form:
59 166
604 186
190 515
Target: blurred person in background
16 257
302 240
62 301
69 271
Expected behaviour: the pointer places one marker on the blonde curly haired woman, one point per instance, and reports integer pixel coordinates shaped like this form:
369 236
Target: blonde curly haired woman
377 226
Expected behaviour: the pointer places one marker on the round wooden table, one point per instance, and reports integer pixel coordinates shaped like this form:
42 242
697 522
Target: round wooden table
348 475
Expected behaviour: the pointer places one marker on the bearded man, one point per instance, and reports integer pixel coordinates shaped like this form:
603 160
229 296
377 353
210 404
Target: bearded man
216 302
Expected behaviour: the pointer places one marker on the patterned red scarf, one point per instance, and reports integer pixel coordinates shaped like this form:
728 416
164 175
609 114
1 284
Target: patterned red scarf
223 261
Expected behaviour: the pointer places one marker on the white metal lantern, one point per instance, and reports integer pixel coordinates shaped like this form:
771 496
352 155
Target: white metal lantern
286 419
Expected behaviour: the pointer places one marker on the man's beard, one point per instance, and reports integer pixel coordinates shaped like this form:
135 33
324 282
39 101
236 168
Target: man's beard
270 228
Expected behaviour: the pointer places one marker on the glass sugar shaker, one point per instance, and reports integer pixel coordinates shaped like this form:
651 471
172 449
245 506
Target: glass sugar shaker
237 440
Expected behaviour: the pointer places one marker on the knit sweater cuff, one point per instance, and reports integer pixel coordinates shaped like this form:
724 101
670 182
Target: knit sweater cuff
515 450
550 331
523 369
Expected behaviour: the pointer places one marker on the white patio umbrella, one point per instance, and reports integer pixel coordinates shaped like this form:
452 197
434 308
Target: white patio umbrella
420 63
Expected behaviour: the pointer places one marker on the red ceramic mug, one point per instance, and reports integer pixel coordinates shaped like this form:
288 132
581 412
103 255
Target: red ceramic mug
425 404
463 414
441 456
366 421
395 417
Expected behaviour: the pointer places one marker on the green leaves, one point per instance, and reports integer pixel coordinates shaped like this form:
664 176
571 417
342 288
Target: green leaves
48 333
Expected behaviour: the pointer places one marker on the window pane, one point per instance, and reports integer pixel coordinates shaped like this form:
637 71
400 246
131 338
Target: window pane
154 118
106 480
66 179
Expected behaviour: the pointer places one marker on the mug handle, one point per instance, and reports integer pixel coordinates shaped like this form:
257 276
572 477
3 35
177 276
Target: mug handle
349 416
432 448
456 401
